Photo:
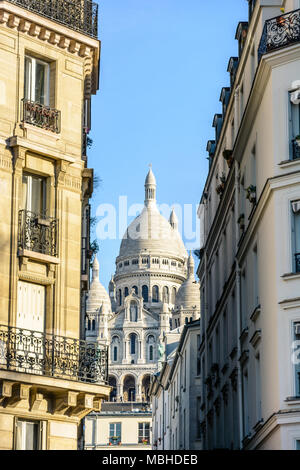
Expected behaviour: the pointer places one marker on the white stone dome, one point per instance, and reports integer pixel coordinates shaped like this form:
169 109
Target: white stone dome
98 298
151 232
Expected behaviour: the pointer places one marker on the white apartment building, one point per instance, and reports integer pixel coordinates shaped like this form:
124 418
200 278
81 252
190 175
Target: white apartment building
175 392
249 266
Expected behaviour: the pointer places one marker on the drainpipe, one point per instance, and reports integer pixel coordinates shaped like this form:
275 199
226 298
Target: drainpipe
238 310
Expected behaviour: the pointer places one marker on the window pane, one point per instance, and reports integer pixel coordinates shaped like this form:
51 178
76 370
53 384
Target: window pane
40 83
27 435
28 78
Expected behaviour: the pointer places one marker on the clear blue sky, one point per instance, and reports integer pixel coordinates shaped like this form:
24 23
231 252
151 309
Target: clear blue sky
163 64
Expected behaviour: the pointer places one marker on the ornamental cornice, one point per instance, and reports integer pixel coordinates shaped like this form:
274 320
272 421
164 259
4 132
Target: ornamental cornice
46 30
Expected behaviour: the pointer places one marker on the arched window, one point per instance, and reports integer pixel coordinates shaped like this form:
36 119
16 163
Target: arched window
173 295
115 348
89 325
186 320
155 294
166 295
126 293
120 297
135 290
115 353
145 293
93 325
150 343
132 343
133 311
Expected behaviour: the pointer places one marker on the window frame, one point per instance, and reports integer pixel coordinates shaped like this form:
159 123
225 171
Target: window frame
30 93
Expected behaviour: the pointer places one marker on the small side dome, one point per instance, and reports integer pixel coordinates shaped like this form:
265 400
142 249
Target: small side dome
97 296
188 295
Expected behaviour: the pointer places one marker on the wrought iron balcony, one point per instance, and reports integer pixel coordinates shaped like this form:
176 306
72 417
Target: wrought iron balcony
41 116
296 149
280 31
297 262
32 352
79 15
37 233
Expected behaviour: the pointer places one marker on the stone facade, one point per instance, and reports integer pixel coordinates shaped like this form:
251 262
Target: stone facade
249 214
47 76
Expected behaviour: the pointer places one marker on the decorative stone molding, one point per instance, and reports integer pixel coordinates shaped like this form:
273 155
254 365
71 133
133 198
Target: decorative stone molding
41 28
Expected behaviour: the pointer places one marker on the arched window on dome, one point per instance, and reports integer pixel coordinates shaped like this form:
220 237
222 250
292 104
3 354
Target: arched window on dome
133 311
120 297
145 294
166 298
89 325
155 294
135 290
133 342
173 295
93 325
126 292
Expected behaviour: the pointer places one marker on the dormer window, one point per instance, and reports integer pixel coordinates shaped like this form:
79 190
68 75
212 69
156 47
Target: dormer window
241 35
232 68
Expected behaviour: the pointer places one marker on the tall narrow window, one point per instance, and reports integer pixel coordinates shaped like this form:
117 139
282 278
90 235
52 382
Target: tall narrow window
296 361
155 294
145 293
34 193
126 292
166 294
296 235
37 81
294 128
132 343
115 433
144 433
27 437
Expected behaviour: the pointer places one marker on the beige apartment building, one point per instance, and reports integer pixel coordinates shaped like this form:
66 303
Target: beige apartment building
250 255
49 377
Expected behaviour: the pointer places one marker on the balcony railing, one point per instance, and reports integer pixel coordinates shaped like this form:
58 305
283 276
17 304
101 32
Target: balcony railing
41 116
280 31
296 149
79 15
38 353
297 262
37 233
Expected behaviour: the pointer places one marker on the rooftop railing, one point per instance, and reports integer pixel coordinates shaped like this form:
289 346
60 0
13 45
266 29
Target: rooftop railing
280 31
38 353
79 15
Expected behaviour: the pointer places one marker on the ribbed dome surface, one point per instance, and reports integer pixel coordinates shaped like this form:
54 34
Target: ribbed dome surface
188 295
151 232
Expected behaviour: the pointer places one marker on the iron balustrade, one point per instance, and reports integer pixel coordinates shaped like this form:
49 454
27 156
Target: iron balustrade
38 233
280 31
297 262
38 353
41 116
79 15
296 149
